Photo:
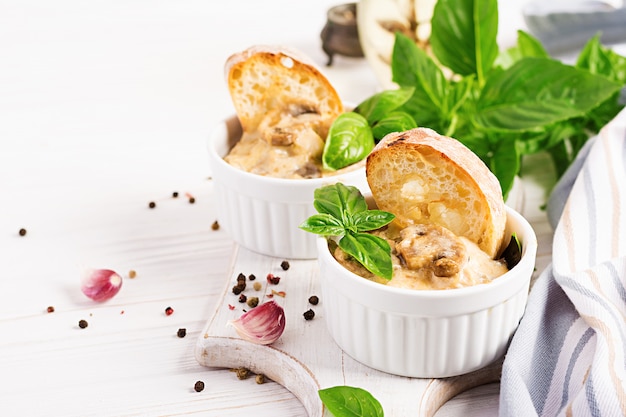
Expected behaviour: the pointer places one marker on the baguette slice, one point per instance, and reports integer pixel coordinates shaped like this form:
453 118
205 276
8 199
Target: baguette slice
267 79
423 177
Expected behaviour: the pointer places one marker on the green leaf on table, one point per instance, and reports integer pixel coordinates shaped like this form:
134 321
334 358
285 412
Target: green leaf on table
371 251
349 141
464 34
535 92
346 401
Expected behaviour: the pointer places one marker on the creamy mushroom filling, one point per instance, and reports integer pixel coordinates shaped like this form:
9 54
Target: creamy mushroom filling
430 257
287 144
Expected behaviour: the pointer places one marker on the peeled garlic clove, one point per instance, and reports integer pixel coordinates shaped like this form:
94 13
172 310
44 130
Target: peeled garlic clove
262 325
101 284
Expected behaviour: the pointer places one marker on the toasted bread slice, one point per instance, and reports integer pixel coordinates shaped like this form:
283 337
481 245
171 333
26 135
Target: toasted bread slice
264 80
426 178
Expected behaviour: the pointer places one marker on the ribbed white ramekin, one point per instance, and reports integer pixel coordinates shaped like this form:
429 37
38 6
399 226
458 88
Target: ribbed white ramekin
263 213
432 333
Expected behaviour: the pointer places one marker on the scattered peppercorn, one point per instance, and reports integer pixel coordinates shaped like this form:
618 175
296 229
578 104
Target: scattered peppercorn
260 379
242 373
82 324
257 286
239 287
284 265
181 332
241 277
50 309
215 225
314 299
242 298
175 194
309 314
22 232
169 311
273 279
192 200
132 273
251 277
253 302
198 386
152 204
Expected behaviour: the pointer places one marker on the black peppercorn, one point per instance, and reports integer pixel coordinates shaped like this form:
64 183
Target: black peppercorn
152 204
241 277
238 289
251 277
22 232
198 386
314 299
192 200
50 309
181 332
284 265
309 314
175 194
82 324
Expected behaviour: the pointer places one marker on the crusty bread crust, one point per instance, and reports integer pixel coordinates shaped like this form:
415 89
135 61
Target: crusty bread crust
264 79
424 177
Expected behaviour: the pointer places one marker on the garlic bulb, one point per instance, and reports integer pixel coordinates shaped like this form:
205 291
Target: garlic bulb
101 284
262 325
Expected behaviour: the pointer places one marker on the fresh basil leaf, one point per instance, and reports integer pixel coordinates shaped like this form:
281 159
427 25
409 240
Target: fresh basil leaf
513 252
538 91
600 60
393 122
339 200
527 46
373 252
379 105
346 401
349 140
505 164
323 224
372 220
412 67
464 34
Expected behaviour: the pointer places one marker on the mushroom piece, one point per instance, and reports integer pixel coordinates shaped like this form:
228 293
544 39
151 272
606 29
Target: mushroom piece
428 246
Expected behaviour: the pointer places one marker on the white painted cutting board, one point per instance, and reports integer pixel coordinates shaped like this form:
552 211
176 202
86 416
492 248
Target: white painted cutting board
306 359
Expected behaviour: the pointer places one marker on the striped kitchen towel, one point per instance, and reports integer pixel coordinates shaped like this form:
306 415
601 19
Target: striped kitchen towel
568 357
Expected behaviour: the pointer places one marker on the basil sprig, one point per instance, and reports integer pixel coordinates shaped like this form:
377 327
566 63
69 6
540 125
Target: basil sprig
503 105
346 401
343 213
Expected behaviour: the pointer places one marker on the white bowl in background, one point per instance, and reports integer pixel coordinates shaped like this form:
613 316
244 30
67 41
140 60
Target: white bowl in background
426 333
263 213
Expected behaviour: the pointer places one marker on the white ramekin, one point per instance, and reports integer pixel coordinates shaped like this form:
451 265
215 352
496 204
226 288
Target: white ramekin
263 213
432 333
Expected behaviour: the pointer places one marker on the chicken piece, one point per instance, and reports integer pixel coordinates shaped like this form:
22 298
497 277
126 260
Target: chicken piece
428 246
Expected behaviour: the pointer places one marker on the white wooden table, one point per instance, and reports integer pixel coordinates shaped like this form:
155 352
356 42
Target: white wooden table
104 107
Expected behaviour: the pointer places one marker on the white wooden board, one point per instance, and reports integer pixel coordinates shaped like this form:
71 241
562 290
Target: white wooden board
306 359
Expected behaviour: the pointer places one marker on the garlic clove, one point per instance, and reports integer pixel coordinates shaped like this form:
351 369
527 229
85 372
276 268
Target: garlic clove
262 325
101 284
